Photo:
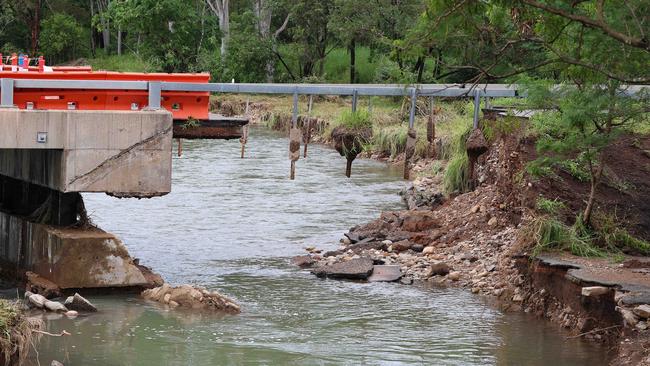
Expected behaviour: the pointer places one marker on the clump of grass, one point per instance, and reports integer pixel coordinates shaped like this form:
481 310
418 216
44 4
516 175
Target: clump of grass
549 233
357 120
16 332
389 140
550 207
616 238
457 175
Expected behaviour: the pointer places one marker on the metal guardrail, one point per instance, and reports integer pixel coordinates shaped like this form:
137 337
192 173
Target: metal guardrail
155 89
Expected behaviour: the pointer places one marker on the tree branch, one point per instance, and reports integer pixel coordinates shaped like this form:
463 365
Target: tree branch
598 24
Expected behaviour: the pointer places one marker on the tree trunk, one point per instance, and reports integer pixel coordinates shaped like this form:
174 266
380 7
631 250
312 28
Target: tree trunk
595 181
119 40
224 25
352 48
36 26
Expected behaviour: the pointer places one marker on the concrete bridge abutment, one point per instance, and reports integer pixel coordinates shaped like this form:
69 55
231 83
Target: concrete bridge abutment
47 158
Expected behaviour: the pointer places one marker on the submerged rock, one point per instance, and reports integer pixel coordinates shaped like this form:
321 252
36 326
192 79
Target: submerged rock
79 303
55 306
359 269
188 296
303 261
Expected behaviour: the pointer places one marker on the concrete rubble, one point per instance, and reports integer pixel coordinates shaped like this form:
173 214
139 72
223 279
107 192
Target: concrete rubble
192 297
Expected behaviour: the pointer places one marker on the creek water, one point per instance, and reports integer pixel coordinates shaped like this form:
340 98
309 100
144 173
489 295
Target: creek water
232 225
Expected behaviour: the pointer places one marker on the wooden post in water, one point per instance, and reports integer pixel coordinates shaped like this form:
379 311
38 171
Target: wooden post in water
179 142
294 138
244 137
431 130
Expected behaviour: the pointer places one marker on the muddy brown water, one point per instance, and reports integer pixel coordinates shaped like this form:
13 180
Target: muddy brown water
232 225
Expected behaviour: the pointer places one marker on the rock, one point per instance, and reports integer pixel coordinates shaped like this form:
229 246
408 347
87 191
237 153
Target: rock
56 363
401 246
518 298
360 268
429 250
385 273
173 304
387 242
493 221
641 325
346 241
37 300
352 237
419 221
642 311
310 249
437 269
417 247
79 303
628 316
55 306
406 281
594 291
454 276
71 314
42 286
303 261
167 298
475 208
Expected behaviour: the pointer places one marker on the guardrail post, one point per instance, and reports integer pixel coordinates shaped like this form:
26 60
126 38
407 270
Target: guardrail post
477 106
295 136
369 104
154 95
311 102
354 100
7 93
411 136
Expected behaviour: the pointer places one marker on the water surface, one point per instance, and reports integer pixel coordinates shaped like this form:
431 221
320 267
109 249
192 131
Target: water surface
232 225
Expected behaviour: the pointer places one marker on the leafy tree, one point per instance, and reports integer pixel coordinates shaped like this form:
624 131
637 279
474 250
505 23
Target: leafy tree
61 37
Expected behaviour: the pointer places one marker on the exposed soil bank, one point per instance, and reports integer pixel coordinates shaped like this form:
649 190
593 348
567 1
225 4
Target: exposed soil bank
479 240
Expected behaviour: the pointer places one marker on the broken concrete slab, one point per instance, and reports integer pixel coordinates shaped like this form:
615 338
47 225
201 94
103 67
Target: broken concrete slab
594 291
385 273
358 269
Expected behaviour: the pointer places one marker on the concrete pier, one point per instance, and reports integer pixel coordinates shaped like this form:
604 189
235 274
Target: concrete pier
126 154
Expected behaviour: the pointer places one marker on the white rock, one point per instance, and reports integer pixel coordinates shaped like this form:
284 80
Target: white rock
594 291
55 306
642 311
166 298
428 250
71 314
37 300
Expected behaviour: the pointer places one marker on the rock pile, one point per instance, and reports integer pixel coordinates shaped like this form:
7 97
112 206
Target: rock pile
73 305
191 297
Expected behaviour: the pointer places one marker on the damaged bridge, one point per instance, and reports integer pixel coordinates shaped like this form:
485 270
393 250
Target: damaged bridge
59 138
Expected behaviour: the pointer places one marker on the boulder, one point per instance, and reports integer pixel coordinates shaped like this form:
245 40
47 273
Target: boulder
385 273
303 261
429 250
79 303
454 276
437 269
37 300
55 306
359 268
419 221
401 246
71 314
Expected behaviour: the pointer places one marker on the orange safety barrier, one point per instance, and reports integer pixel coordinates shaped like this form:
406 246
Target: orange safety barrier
182 105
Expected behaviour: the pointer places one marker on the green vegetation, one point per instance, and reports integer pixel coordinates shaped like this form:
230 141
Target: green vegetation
16 332
550 207
125 63
355 120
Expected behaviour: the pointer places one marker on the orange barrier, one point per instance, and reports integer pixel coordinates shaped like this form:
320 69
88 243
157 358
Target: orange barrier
183 105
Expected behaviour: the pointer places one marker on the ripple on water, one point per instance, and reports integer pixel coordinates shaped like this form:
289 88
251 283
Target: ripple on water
232 224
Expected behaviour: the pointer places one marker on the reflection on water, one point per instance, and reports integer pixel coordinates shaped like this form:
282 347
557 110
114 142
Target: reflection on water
231 225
